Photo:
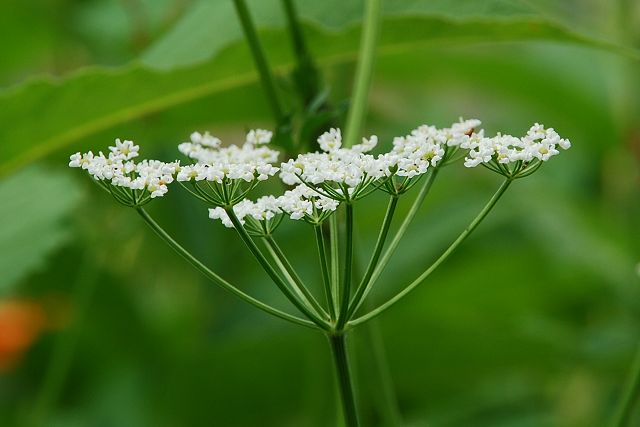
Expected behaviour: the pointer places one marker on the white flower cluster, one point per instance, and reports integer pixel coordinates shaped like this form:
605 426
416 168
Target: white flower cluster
539 144
336 165
250 161
303 202
120 170
413 154
299 203
322 179
410 156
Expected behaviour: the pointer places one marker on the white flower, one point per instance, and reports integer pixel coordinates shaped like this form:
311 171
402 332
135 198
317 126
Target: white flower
79 160
206 140
259 137
221 214
331 140
366 145
126 150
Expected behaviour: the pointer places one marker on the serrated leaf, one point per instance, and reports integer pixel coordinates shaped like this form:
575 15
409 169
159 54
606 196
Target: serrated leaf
97 99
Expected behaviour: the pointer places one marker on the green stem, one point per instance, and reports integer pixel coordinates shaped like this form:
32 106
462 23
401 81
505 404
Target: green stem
334 243
273 274
386 257
324 267
214 277
266 77
476 221
382 236
622 416
348 266
364 71
343 374
306 74
293 277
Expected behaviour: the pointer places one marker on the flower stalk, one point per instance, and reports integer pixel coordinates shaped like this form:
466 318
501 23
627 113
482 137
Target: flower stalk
348 269
373 262
268 268
214 277
467 231
386 257
295 280
324 268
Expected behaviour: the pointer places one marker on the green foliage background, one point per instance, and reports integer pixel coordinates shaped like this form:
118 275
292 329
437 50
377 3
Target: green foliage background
533 322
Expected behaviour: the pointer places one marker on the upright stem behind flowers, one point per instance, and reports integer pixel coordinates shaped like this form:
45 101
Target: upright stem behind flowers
259 57
364 71
306 74
476 221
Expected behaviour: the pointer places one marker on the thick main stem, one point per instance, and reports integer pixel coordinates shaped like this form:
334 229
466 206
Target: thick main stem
364 71
266 77
343 374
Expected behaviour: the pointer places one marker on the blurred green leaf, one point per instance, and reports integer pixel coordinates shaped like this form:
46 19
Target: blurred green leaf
209 26
97 99
34 203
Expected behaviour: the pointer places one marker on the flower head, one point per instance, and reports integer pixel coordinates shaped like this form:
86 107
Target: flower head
336 172
512 156
131 183
225 167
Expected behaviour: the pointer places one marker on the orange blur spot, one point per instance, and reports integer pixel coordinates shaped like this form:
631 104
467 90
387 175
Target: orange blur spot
21 322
